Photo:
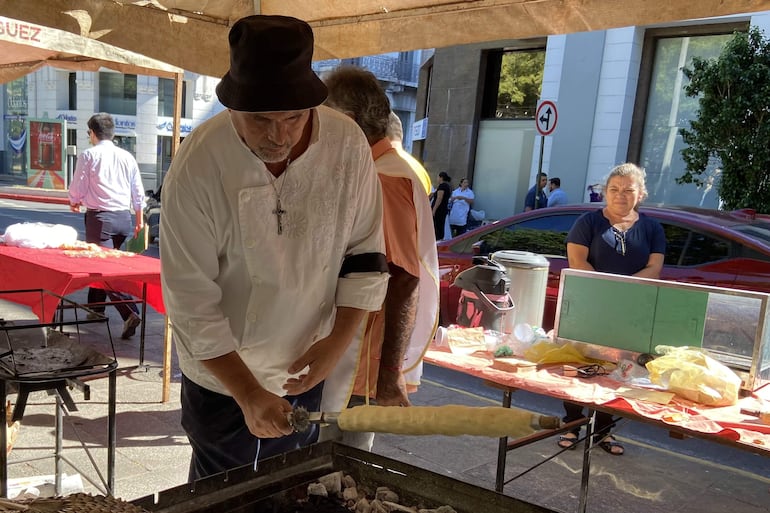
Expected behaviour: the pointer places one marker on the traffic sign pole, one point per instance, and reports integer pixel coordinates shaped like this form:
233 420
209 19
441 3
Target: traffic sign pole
546 117
540 160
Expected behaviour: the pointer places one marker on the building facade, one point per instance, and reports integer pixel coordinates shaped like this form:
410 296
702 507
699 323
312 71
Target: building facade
398 73
142 107
619 97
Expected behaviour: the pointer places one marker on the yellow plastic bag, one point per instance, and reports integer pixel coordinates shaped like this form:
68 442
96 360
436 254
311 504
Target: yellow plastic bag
691 373
547 351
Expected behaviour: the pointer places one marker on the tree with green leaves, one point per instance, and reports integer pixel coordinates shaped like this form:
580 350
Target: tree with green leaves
733 122
521 77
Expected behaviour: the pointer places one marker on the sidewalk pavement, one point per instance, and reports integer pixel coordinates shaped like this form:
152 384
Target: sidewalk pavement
36 194
153 453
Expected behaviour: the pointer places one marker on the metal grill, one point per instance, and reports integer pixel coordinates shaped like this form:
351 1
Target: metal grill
278 481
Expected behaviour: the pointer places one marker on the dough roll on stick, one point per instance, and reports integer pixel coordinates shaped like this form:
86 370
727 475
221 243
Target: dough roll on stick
450 420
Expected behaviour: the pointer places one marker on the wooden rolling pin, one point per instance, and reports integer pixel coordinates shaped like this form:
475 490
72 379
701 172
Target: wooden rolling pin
449 420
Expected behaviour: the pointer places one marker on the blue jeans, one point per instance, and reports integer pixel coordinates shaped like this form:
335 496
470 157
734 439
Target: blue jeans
218 434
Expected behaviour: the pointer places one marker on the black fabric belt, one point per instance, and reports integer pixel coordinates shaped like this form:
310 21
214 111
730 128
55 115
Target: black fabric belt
100 211
363 263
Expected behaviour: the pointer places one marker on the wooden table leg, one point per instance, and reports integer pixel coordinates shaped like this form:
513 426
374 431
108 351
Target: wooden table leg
166 361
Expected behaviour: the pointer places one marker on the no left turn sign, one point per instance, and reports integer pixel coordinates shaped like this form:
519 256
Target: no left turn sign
546 117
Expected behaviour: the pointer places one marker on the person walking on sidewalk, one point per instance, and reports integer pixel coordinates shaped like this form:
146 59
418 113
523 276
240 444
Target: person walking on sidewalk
107 182
272 252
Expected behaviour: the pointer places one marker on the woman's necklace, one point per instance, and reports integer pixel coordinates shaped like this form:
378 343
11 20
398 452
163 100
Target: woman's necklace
279 211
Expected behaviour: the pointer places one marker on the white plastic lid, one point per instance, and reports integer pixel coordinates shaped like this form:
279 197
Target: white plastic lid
520 258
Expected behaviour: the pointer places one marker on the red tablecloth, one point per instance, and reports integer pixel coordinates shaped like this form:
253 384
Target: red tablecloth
725 424
60 273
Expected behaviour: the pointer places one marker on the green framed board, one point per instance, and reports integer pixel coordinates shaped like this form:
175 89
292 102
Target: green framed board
629 315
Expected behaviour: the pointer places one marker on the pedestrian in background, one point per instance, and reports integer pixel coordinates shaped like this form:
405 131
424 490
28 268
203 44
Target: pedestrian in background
536 197
440 206
595 193
107 182
460 207
556 196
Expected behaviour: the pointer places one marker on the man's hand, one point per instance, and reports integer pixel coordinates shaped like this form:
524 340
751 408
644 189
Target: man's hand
321 359
138 221
265 413
75 207
391 388
323 356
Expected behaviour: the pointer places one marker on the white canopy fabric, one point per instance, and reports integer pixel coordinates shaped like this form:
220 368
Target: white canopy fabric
192 34
25 47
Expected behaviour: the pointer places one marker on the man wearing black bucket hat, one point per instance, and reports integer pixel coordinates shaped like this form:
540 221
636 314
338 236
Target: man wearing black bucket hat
271 251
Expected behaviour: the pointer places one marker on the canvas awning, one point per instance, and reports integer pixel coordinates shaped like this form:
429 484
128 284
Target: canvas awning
192 34
25 47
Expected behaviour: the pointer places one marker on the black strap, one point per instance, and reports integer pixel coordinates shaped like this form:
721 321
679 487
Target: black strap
364 263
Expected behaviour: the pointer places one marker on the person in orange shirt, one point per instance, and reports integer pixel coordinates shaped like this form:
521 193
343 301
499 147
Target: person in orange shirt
397 336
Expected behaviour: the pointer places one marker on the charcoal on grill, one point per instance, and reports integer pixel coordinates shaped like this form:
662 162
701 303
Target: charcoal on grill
352 498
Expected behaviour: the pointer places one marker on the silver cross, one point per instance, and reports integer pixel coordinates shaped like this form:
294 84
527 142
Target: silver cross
279 212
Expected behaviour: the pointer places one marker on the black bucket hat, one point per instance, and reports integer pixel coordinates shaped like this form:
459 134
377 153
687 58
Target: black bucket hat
270 66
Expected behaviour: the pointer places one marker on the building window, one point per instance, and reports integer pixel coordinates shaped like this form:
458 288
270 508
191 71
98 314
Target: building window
166 98
72 92
513 82
662 109
117 93
126 142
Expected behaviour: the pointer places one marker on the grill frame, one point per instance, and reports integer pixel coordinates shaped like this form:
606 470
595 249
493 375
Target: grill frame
240 490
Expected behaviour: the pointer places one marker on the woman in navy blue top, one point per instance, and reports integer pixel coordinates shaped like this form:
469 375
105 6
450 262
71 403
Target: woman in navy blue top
615 239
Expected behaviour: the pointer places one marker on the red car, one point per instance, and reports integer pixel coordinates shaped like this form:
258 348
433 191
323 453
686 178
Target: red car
708 247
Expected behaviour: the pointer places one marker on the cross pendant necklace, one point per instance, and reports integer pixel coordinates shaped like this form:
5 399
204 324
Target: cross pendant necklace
278 211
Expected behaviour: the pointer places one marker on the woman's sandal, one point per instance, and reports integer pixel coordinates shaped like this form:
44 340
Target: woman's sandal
567 441
612 446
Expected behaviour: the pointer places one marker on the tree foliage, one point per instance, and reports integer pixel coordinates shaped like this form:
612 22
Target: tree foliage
732 121
521 77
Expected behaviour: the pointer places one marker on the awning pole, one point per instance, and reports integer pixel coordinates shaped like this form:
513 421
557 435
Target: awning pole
176 130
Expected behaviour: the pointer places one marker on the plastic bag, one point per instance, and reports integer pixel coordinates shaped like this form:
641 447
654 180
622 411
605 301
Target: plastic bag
691 373
629 371
39 235
547 351
477 215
